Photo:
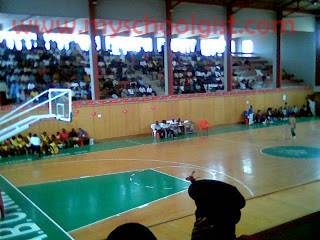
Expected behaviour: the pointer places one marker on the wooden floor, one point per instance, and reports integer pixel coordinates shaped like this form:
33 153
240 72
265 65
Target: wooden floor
277 189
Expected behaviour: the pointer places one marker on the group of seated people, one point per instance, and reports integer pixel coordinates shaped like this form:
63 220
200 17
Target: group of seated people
251 73
272 115
43 144
195 73
26 73
171 128
125 76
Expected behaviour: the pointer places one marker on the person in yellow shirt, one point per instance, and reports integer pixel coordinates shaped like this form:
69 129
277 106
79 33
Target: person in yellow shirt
22 141
4 150
53 148
17 146
9 147
45 142
34 93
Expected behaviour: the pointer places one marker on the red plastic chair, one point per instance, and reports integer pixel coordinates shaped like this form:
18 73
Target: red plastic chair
203 125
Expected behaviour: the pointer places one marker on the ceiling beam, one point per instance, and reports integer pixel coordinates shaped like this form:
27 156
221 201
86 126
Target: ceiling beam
250 4
283 6
297 9
176 4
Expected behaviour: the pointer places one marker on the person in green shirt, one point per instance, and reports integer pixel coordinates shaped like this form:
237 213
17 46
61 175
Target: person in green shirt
293 125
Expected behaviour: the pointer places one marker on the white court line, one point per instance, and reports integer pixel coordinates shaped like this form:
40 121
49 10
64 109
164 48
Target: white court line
118 214
213 175
181 179
35 206
132 209
162 161
224 174
83 177
153 169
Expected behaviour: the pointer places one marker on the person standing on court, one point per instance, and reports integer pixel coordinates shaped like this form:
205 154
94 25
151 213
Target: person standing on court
218 209
1 206
293 125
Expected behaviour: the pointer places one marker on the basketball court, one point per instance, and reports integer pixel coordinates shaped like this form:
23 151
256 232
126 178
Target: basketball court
87 192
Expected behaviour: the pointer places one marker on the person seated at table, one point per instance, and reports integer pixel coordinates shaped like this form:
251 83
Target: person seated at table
173 125
181 126
159 130
188 126
166 127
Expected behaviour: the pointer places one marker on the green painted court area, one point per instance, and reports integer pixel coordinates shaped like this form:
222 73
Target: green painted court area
80 202
24 220
293 152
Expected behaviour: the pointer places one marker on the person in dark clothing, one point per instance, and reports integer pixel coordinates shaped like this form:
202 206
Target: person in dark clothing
218 209
131 231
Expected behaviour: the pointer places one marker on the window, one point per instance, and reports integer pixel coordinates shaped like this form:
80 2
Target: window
63 40
210 47
122 45
247 46
183 45
179 45
233 46
160 43
14 39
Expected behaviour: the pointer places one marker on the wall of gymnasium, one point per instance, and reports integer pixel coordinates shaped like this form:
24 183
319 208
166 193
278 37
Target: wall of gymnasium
299 55
56 8
264 43
121 120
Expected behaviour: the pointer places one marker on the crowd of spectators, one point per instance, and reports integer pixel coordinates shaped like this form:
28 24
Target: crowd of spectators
43 144
273 115
26 73
195 73
127 76
251 73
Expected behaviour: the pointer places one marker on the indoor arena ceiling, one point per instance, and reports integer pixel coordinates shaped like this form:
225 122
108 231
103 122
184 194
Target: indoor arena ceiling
303 6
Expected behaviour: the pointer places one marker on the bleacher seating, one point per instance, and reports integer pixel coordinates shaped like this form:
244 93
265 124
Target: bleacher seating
25 73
